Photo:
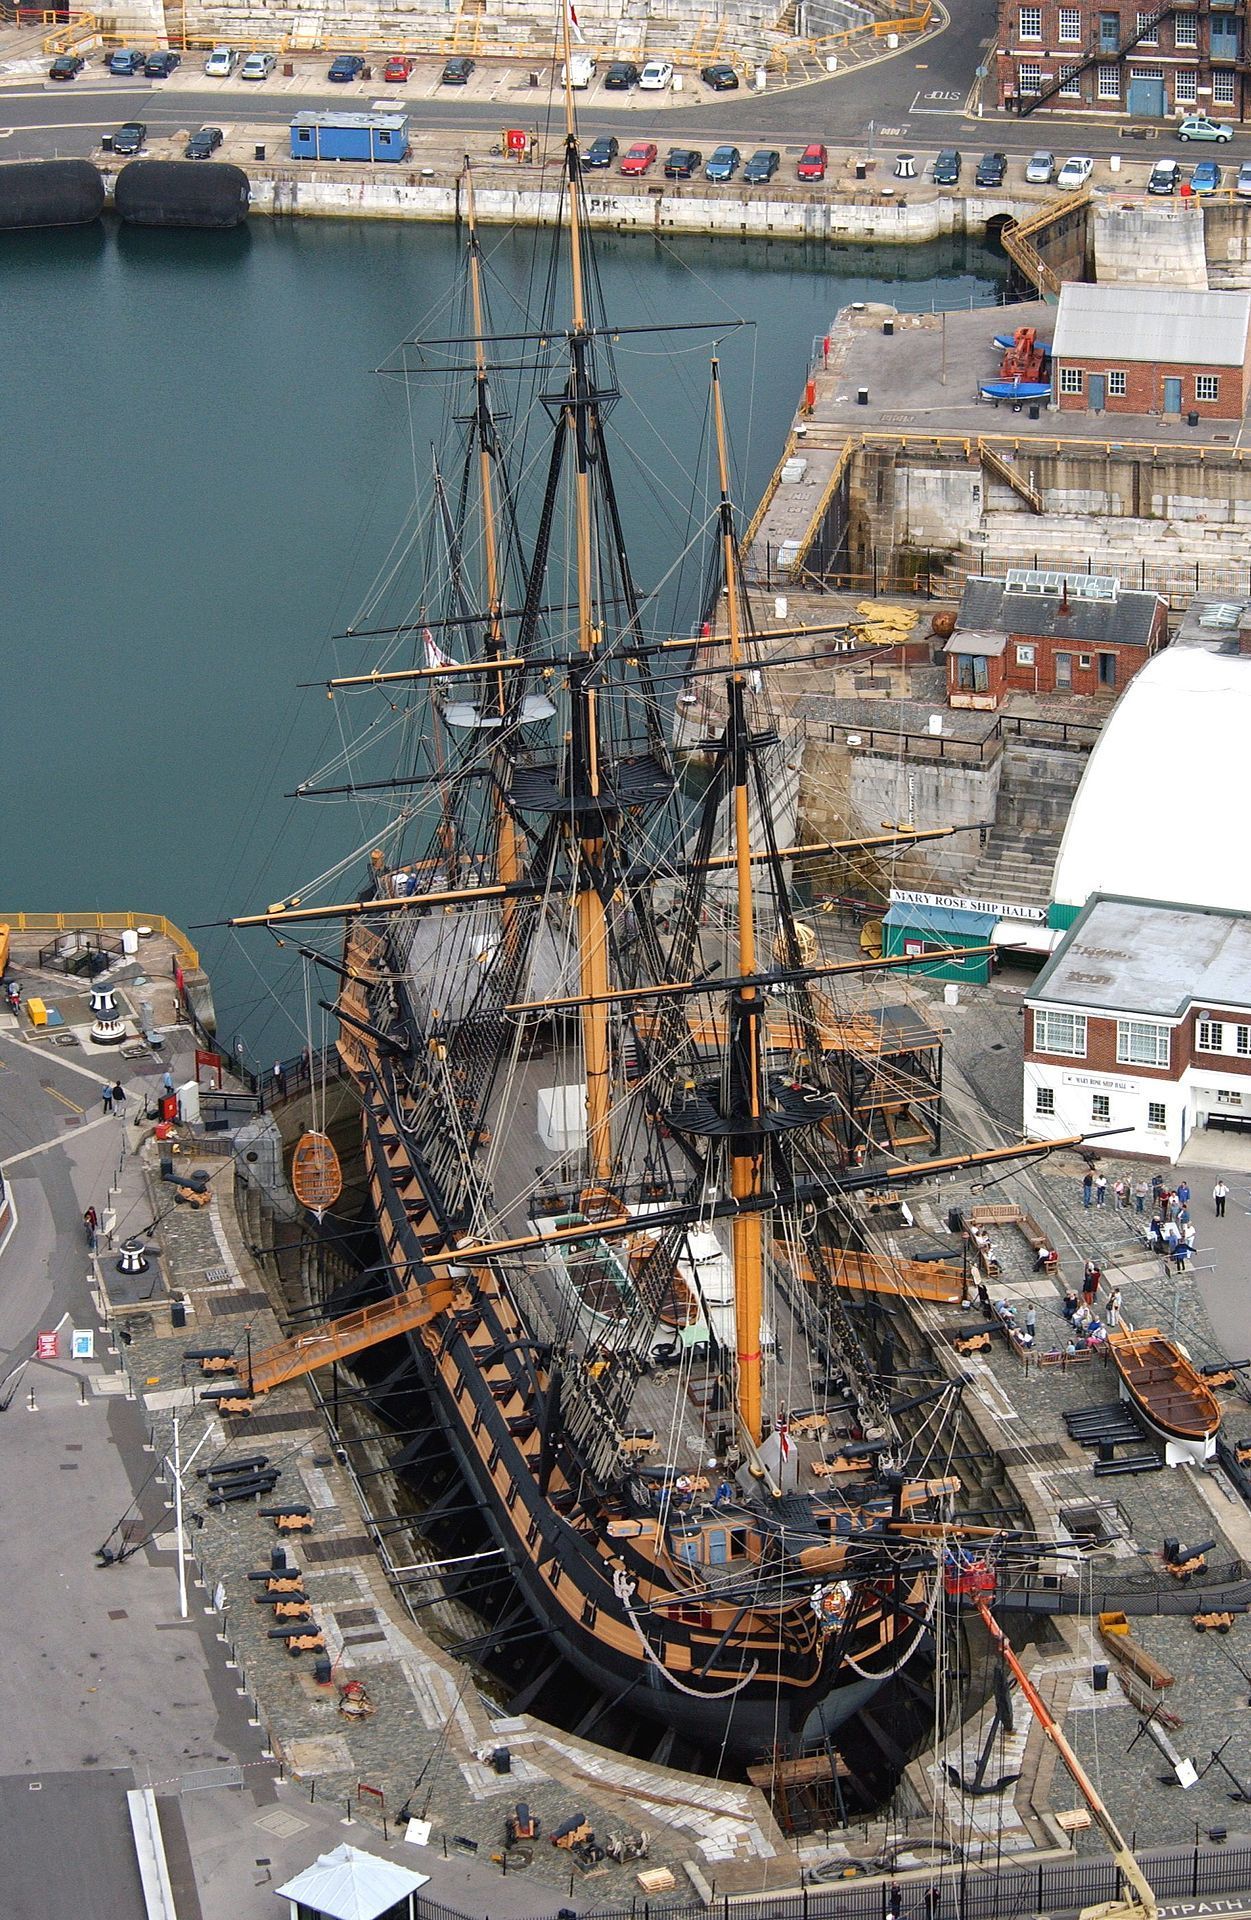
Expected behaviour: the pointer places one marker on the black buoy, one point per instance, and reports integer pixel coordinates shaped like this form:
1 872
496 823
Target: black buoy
182 193
50 193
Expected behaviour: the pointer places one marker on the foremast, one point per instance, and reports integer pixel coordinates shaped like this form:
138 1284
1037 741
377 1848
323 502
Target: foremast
584 789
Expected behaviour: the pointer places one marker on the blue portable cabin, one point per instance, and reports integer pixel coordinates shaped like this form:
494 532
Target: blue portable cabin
349 136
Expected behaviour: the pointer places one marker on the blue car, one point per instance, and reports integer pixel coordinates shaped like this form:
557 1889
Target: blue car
127 61
347 66
723 164
1205 177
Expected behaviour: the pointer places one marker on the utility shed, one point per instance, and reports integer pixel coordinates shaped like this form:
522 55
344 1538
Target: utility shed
349 136
1144 350
348 1884
912 929
1048 632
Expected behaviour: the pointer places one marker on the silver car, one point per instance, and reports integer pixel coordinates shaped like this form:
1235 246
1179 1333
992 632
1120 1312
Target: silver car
1242 186
258 66
1040 169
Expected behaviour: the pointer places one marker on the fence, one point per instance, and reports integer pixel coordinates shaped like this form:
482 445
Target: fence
987 746
106 922
963 1893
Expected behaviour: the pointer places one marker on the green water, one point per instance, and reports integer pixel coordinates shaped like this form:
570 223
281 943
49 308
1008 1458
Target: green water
203 479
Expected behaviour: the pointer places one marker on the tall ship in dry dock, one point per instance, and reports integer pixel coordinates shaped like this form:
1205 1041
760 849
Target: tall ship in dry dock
606 1088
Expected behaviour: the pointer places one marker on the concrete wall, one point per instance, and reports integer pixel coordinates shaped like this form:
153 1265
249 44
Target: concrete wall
1156 243
849 790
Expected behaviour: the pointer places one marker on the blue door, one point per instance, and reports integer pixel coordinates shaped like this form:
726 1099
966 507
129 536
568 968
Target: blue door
1146 96
1172 396
1096 391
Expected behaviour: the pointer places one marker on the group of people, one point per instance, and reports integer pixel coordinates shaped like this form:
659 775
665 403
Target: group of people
1079 1311
113 1096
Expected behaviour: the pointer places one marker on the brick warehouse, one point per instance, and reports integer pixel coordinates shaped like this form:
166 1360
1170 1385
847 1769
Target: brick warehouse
1065 633
1121 59
1144 350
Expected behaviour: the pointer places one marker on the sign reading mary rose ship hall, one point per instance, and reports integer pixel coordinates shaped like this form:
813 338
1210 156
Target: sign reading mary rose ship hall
959 903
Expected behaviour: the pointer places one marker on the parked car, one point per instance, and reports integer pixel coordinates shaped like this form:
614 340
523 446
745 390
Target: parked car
582 70
1242 185
159 65
221 63
602 151
130 138
762 166
945 171
457 70
992 170
204 144
66 66
1197 126
622 75
1040 168
127 61
723 164
656 76
640 157
1076 171
1165 177
346 67
683 162
258 66
1205 177
812 162
721 77
398 68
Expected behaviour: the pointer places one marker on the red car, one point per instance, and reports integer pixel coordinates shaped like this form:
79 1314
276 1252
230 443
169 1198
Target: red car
812 162
641 156
399 67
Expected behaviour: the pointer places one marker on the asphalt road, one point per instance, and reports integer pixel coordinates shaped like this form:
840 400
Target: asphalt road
922 97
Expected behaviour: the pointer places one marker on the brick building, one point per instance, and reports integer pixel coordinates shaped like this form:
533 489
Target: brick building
1141 1019
1149 62
1036 632
1144 350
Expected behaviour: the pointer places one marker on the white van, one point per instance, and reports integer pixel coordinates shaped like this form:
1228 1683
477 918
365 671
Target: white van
581 72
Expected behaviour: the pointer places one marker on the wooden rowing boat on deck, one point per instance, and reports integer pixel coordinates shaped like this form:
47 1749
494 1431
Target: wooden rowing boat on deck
1172 1396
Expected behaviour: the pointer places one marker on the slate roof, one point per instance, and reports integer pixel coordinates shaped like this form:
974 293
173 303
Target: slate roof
985 607
1157 324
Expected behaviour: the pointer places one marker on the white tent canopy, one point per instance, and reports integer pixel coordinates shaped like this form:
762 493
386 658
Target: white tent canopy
1159 812
347 1884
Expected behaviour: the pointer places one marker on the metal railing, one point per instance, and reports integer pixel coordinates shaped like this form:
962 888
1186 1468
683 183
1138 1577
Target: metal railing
103 922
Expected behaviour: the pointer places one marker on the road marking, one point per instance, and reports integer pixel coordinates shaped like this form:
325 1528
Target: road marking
15 1159
64 1098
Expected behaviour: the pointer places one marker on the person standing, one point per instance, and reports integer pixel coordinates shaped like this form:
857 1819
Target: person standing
119 1097
1088 1187
91 1221
167 1081
1140 1196
1220 1194
106 1096
1101 1190
1120 1193
1031 1321
1112 1313
1183 1194
1157 1189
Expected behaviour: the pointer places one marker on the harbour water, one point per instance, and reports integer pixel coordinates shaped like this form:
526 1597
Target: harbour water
205 478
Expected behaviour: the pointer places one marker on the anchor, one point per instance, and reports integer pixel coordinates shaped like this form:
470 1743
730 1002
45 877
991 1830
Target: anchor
978 1785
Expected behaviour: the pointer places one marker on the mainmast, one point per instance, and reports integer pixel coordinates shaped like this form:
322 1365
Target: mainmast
747 1093
587 807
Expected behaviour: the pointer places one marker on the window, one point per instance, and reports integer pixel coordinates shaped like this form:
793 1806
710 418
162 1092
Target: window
1242 1039
1223 89
1025 656
1207 386
1060 1033
1071 23
1031 23
1029 77
1044 1099
1185 89
972 673
1100 1107
1072 380
1141 1043
1109 83
1152 36
1211 1036
1185 30
1155 1116
1070 83
1085 662
1117 383
1226 1099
